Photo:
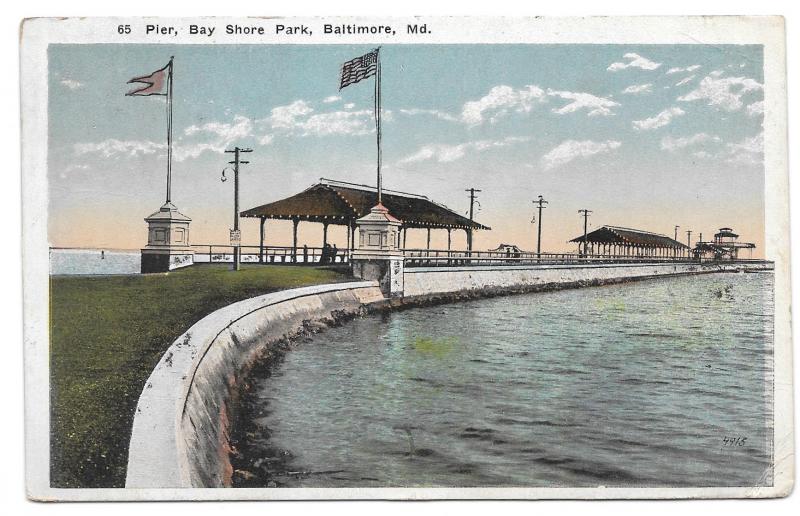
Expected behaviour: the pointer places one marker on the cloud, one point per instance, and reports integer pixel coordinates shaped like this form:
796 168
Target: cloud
723 92
593 104
756 108
660 120
75 167
685 80
239 128
499 101
351 123
113 147
671 144
442 115
749 151
572 149
300 119
332 98
286 117
71 84
297 118
214 137
638 89
634 61
687 69
444 153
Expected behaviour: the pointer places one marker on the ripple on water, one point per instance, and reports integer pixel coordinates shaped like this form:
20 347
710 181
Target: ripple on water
627 385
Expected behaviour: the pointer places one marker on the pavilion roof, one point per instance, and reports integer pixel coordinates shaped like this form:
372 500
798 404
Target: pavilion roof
629 236
341 203
726 232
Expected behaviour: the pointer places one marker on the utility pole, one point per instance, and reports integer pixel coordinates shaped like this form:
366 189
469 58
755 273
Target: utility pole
540 202
585 214
700 250
236 235
472 192
676 239
689 243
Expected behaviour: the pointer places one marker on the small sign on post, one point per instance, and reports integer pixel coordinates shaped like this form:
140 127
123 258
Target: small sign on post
236 237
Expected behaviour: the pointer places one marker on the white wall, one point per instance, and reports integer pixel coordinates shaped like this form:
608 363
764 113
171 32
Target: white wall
419 281
179 436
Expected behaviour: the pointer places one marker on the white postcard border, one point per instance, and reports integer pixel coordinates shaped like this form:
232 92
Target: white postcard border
37 34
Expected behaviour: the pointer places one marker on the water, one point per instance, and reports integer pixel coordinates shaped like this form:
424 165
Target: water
94 261
642 384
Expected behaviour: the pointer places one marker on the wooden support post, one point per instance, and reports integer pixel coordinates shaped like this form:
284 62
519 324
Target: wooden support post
261 240
429 240
295 223
448 238
324 234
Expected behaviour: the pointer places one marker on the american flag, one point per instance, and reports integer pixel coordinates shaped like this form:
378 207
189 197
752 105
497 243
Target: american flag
359 68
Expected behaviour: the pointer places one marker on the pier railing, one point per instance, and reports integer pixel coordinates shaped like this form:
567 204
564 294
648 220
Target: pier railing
286 255
222 253
449 258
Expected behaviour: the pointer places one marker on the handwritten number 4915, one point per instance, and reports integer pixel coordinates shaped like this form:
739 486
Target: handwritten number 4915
734 441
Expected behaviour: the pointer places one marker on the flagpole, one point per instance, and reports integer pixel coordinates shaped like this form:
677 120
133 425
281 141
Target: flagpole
169 132
378 117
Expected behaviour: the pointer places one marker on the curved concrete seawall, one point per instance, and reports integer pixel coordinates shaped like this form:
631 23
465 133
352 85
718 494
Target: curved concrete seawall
181 426
435 281
180 429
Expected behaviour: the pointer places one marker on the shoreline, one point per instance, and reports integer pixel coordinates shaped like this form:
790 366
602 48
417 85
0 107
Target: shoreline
183 428
249 471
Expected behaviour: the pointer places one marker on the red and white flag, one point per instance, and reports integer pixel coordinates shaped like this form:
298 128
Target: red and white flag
154 84
159 83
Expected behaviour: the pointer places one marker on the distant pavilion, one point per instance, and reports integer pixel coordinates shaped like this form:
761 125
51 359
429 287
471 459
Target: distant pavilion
617 241
339 203
725 246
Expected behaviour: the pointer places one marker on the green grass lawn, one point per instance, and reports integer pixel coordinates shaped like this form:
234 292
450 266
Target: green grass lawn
106 336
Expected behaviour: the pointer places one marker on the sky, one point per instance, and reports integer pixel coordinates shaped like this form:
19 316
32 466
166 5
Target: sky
645 136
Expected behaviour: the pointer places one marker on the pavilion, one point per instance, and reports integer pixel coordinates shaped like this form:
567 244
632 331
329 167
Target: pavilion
340 203
618 241
725 246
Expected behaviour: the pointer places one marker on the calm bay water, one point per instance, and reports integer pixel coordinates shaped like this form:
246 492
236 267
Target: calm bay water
94 261
657 383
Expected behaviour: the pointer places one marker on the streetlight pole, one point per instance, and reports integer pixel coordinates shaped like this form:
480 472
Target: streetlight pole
540 202
236 235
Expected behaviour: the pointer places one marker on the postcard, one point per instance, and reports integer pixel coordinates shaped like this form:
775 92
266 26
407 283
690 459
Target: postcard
406 258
